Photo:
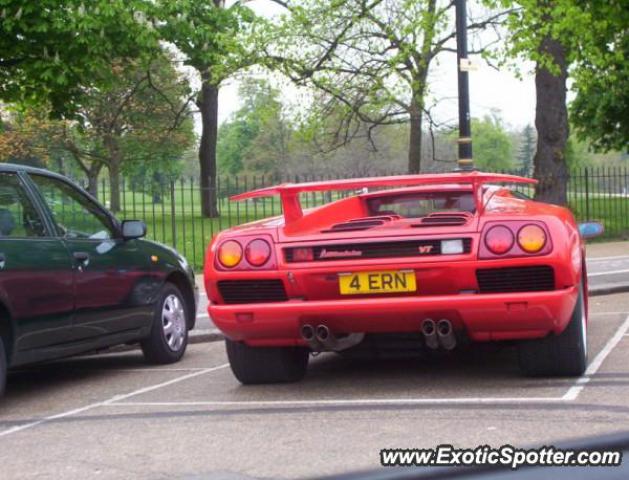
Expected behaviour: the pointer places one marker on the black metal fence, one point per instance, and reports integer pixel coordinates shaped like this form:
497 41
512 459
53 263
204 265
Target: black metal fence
172 210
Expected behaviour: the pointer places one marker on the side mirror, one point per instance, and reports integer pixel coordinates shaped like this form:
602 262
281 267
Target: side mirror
591 229
133 229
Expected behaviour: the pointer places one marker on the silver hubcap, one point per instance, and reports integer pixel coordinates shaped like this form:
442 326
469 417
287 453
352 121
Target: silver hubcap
174 322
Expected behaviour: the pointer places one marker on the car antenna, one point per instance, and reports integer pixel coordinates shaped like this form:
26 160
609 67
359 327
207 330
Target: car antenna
465 162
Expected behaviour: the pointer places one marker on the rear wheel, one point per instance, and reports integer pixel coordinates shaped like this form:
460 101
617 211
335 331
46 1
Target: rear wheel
169 333
559 355
255 365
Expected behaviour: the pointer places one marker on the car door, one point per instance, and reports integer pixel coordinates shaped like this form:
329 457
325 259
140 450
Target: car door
36 277
111 275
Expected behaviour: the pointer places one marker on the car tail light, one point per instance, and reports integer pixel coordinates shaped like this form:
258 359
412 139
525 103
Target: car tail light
257 252
230 253
499 239
303 254
531 238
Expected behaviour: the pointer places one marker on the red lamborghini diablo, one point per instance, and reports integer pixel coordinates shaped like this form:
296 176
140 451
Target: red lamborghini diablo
431 262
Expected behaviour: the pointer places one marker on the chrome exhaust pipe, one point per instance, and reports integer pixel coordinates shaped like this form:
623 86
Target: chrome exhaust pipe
322 333
429 330
446 335
336 344
307 333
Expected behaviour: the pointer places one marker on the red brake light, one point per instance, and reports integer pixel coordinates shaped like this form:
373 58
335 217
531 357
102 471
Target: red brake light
499 239
303 254
229 253
257 252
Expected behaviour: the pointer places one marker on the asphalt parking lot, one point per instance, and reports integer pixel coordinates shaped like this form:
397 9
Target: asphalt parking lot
111 416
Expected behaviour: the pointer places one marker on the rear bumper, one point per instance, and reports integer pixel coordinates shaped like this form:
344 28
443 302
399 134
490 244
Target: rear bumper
502 316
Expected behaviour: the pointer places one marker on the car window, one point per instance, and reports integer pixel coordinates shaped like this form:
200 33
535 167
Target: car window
18 216
420 205
74 214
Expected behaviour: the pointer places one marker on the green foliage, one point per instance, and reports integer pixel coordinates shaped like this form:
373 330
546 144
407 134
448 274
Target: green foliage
138 124
491 144
234 138
527 149
372 57
142 118
209 34
594 35
600 111
53 50
256 137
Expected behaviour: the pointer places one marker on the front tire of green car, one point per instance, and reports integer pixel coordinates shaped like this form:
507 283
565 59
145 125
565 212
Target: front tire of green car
169 333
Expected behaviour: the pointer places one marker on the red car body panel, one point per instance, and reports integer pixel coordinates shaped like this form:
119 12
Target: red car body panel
447 284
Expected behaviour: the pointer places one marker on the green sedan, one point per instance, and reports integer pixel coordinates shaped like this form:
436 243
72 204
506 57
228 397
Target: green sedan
74 279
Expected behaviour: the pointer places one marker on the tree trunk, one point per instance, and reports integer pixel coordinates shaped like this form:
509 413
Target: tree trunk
551 121
92 184
113 164
208 105
114 187
415 138
92 178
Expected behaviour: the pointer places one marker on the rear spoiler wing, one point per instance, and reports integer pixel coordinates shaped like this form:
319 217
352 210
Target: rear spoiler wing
289 192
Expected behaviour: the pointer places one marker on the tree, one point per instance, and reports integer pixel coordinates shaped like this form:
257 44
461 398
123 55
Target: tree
140 122
492 144
551 122
257 136
527 150
50 50
371 58
209 35
584 38
600 111
21 136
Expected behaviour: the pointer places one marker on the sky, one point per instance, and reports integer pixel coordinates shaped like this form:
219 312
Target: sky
490 90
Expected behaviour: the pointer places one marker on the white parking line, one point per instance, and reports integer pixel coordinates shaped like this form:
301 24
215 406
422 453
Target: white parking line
69 413
606 259
602 314
147 370
164 384
610 272
344 402
574 391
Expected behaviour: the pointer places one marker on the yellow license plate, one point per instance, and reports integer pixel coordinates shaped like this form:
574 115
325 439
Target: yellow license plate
377 282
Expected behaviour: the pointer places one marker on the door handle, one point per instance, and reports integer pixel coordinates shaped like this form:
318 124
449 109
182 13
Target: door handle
81 257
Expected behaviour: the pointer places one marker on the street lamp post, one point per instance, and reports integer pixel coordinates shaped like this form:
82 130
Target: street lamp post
465 160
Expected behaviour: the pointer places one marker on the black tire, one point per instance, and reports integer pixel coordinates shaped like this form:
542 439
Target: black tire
558 355
3 368
160 347
256 365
